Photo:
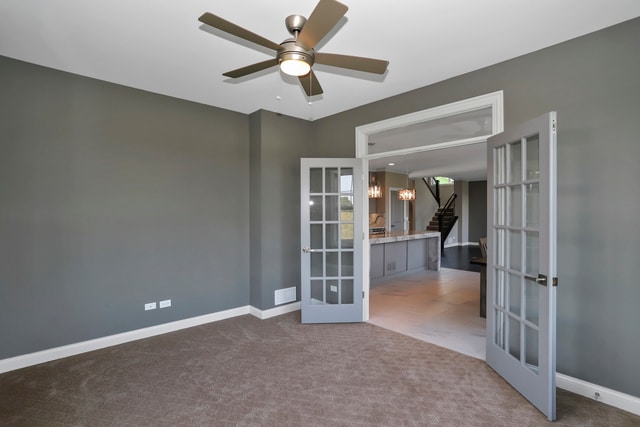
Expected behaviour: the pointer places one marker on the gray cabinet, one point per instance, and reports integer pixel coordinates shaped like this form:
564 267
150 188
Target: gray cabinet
395 257
399 253
377 261
417 254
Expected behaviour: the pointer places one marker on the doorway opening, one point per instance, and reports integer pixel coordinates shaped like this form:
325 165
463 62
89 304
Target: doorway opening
398 219
436 306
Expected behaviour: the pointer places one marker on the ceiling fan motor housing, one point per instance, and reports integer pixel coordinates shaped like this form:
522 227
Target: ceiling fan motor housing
290 50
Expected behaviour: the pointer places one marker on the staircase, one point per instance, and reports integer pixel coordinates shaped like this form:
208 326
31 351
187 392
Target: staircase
447 218
443 220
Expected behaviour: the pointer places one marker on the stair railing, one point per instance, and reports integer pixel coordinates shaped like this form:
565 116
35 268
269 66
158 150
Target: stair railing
436 193
444 232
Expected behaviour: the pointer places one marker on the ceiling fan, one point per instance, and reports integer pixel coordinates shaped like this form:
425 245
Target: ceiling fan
296 55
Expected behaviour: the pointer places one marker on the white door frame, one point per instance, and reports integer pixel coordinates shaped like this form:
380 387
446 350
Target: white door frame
493 100
390 199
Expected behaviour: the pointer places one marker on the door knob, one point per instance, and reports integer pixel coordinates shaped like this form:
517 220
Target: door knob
307 250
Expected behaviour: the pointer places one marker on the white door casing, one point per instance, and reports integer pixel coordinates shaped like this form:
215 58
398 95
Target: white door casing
494 101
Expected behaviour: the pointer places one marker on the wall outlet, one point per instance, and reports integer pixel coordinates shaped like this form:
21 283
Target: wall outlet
165 303
150 306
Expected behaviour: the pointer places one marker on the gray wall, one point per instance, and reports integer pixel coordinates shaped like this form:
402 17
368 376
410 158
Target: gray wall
593 84
110 198
477 210
276 150
255 209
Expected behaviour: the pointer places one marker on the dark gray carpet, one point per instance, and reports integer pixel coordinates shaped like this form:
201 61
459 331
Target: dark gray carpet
277 372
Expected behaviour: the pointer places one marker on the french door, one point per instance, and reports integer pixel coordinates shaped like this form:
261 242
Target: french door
332 238
521 264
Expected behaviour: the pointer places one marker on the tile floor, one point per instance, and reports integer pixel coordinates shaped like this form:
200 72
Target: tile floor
440 307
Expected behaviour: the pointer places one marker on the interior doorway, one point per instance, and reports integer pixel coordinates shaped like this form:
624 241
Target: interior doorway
398 211
440 307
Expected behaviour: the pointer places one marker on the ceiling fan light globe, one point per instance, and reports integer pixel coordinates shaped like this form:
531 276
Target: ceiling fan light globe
295 67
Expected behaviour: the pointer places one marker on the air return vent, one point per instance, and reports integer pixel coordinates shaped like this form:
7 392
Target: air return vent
285 295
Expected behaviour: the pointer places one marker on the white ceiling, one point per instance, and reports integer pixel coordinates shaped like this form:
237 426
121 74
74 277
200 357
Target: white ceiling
160 46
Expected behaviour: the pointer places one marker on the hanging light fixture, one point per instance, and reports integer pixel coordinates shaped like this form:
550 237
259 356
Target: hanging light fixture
375 191
407 194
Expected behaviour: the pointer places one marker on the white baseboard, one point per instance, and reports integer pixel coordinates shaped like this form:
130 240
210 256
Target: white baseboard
276 311
31 359
451 245
605 395
43 356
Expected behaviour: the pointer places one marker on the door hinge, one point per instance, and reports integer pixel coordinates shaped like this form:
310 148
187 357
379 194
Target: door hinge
554 282
362 294
553 126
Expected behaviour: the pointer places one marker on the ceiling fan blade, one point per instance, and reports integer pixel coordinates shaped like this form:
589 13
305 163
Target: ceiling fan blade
259 66
310 84
236 30
323 18
358 63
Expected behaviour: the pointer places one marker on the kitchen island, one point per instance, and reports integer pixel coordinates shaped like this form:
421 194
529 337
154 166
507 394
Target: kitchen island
403 251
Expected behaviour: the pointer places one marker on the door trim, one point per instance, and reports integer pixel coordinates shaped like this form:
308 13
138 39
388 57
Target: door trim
495 100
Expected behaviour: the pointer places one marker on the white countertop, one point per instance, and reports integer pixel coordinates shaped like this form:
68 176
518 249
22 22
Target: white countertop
400 236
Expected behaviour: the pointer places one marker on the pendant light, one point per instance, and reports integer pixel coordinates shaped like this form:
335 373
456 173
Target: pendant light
375 191
407 194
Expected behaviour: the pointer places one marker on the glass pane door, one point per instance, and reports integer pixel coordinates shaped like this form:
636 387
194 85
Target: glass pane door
517 294
521 259
331 260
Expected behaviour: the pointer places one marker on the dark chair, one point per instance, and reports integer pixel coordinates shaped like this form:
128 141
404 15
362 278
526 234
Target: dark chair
483 246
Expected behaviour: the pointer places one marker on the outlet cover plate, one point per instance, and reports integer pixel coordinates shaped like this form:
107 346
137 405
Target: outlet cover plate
150 306
165 303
